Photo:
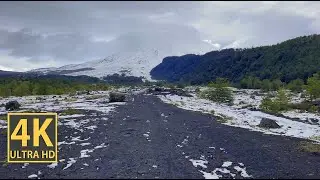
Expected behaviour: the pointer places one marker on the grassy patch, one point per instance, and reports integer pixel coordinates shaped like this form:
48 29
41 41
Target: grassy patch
4 162
223 118
70 111
316 138
305 106
3 131
3 117
309 147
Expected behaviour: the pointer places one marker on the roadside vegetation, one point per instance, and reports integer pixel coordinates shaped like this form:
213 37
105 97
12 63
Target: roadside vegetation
3 117
32 86
218 91
310 90
309 147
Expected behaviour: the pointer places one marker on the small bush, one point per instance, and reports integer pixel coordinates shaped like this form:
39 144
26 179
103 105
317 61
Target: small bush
4 131
313 86
219 94
310 147
218 91
181 86
305 106
296 85
3 117
197 90
280 103
313 109
171 86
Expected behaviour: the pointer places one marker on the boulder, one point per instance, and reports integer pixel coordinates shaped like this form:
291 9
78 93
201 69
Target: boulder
12 105
158 89
313 120
117 97
268 123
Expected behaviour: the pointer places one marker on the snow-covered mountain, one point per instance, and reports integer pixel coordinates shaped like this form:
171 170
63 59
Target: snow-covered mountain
137 64
135 54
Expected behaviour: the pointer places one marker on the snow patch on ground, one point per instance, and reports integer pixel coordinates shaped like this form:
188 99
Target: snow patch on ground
244 118
32 176
70 162
303 116
52 166
197 163
222 170
242 171
226 164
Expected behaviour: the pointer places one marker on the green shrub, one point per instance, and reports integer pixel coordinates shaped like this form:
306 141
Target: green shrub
296 85
171 86
23 87
280 103
181 86
304 106
268 105
3 117
266 85
197 90
218 91
313 86
222 95
309 147
313 109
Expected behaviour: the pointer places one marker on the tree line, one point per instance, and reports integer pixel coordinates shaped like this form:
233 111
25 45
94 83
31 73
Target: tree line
293 59
45 86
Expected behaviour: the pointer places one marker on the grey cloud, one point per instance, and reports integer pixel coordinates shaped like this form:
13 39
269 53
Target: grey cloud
64 31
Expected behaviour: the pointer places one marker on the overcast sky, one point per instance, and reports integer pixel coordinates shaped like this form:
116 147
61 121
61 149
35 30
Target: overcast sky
45 34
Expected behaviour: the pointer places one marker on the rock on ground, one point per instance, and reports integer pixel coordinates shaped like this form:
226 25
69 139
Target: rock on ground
268 123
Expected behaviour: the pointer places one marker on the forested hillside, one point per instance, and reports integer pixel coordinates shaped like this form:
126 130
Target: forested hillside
31 84
289 60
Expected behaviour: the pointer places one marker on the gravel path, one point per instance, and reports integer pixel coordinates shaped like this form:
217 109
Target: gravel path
149 139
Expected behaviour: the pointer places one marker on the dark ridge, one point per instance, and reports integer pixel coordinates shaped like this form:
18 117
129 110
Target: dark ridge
289 60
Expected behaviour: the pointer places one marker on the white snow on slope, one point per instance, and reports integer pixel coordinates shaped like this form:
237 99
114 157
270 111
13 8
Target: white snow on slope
244 118
137 63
